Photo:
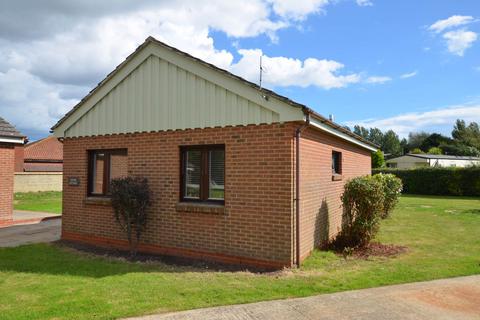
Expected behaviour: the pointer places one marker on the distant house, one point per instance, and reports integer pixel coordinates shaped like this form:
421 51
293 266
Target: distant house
239 174
9 139
45 155
410 161
39 166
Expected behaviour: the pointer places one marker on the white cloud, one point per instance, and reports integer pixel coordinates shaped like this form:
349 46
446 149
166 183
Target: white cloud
282 71
364 3
409 75
29 102
459 40
453 21
297 10
421 121
378 79
51 55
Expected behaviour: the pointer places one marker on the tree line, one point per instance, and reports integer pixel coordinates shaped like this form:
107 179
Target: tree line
464 141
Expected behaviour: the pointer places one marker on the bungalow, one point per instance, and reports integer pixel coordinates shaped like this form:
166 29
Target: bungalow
410 161
10 138
239 173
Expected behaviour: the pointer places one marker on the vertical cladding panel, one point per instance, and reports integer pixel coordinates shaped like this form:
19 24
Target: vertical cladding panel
139 99
123 112
158 95
202 106
155 92
108 111
130 86
162 88
192 106
321 208
172 87
147 93
180 92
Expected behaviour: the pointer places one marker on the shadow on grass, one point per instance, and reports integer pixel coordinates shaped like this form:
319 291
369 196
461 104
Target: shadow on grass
63 258
472 211
440 197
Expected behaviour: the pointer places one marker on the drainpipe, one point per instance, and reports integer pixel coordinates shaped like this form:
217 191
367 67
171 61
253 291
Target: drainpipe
298 133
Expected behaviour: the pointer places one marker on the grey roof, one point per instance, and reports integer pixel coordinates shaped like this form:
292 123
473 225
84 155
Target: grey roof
442 156
251 84
7 130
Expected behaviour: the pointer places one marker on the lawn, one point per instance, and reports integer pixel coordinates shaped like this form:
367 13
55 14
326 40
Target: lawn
47 281
49 201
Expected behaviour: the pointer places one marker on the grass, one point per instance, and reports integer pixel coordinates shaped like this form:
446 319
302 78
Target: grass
48 201
46 281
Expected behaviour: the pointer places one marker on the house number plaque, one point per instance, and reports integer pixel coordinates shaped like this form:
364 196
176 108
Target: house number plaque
73 181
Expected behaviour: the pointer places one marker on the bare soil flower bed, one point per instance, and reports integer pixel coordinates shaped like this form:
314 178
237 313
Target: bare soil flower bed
377 249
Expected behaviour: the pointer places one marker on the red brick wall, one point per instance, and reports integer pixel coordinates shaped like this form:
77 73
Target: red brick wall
321 211
19 158
7 165
257 225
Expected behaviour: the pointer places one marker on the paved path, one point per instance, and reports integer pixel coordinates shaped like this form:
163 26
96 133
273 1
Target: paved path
456 298
22 215
45 231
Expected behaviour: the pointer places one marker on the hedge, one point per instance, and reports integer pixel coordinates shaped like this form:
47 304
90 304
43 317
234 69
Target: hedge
438 181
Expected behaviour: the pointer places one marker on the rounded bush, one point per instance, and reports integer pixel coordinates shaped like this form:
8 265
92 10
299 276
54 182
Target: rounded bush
362 199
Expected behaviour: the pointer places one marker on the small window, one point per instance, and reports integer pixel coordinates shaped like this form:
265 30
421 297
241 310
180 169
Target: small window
336 162
203 173
103 166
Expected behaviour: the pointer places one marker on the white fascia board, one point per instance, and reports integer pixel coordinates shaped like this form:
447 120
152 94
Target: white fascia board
317 124
18 140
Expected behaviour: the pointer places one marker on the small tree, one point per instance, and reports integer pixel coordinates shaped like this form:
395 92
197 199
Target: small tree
378 160
362 200
435 150
130 200
392 188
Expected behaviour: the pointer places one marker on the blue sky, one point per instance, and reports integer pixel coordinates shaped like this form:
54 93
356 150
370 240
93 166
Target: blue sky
403 65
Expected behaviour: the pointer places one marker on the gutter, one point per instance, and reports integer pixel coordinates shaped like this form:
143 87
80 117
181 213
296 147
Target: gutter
298 133
12 139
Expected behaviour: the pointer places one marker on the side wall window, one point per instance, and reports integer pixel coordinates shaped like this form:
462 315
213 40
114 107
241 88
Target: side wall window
203 173
336 162
103 166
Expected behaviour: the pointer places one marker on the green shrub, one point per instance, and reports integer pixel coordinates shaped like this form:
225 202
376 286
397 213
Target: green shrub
438 181
378 159
392 188
362 200
435 150
130 200
416 151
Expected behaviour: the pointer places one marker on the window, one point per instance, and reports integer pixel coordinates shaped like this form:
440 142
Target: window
103 166
203 173
336 162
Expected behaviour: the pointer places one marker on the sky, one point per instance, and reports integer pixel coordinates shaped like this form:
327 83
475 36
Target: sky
404 65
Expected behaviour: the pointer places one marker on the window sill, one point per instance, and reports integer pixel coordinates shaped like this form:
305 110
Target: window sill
102 201
337 177
196 207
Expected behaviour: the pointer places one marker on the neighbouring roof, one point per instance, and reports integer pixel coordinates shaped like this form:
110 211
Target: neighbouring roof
47 149
267 93
8 130
442 156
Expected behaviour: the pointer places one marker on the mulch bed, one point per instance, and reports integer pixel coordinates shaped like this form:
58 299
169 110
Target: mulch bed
376 249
